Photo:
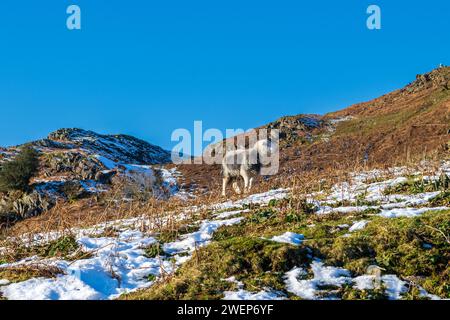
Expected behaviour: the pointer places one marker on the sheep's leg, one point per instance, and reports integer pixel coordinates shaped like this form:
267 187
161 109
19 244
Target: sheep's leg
246 182
226 181
236 187
250 184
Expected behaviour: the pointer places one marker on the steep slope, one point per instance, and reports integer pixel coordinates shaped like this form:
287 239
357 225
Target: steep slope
408 123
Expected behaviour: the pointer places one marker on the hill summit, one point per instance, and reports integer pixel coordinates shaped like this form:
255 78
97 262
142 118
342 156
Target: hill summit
119 148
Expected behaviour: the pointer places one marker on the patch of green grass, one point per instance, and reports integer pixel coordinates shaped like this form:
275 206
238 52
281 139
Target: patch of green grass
325 230
256 262
154 250
260 223
63 247
295 217
151 277
267 224
262 216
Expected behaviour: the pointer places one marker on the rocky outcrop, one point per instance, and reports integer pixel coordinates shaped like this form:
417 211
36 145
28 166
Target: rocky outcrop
31 205
18 206
105 177
438 78
75 164
299 127
119 148
71 164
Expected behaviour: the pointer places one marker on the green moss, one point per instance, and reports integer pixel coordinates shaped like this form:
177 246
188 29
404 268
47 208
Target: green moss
414 294
347 292
256 262
294 216
438 283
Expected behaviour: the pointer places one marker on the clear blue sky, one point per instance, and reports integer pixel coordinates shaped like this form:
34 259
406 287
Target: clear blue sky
147 67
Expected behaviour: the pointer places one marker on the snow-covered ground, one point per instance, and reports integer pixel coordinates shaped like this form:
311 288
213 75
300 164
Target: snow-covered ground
260 198
148 172
246 295
301 284
242 294
360 189
118 264
290 238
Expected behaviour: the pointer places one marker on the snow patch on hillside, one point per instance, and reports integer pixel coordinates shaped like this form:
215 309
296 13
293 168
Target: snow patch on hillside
252 296
117 264
310 289
259 198
289 238
373 195
169 177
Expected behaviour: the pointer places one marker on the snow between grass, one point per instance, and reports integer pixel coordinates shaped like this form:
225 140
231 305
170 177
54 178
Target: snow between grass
289 238
118 265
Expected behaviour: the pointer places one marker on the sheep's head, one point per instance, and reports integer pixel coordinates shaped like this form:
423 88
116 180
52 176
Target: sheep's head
268 156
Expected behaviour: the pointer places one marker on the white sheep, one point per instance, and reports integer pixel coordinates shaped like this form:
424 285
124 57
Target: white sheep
247 163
